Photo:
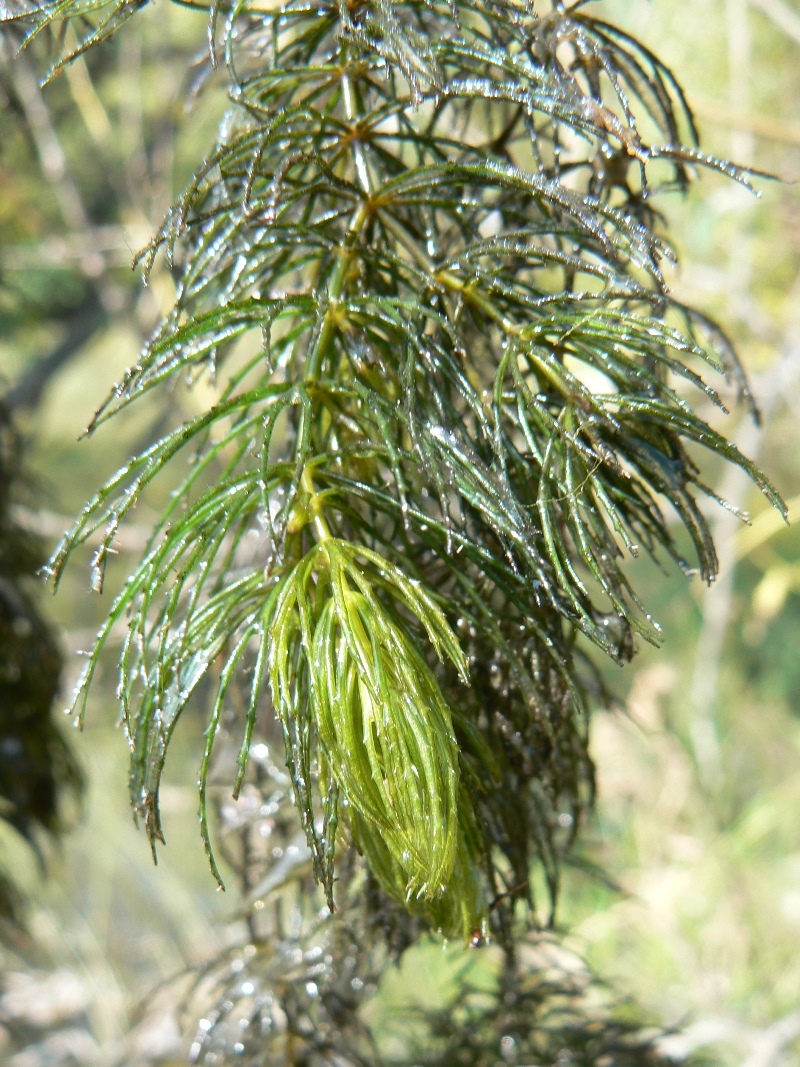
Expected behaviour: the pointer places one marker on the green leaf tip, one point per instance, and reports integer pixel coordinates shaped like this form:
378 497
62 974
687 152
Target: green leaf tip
346 668
460 909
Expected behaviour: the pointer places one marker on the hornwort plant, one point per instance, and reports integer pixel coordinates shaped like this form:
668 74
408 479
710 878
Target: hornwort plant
423 271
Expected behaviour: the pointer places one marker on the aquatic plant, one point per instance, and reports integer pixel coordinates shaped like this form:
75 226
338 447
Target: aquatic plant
423 271
424 264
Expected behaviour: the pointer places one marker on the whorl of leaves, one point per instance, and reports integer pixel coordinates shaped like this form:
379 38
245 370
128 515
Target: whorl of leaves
346 672
425 255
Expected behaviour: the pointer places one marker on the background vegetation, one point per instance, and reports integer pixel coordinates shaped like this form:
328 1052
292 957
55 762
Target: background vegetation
696 831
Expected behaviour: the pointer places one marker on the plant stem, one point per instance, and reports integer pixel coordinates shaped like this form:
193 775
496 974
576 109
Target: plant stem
321 528
344 258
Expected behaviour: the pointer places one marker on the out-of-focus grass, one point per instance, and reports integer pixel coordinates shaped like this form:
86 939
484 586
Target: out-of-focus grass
700 828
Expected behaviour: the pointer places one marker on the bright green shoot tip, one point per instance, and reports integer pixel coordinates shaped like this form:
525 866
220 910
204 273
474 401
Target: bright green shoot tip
346 668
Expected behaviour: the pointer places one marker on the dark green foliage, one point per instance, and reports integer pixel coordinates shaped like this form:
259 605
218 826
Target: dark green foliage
36 765
454 393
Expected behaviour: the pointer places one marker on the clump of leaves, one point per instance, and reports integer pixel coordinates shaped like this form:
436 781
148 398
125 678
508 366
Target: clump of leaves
374 706
454 395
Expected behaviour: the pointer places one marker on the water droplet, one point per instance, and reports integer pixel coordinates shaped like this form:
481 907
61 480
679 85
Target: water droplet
507 1046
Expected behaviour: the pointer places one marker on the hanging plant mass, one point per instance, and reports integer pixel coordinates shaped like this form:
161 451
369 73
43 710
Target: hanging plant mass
454 396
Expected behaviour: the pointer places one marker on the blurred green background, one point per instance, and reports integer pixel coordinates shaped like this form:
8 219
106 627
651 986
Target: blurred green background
697 828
